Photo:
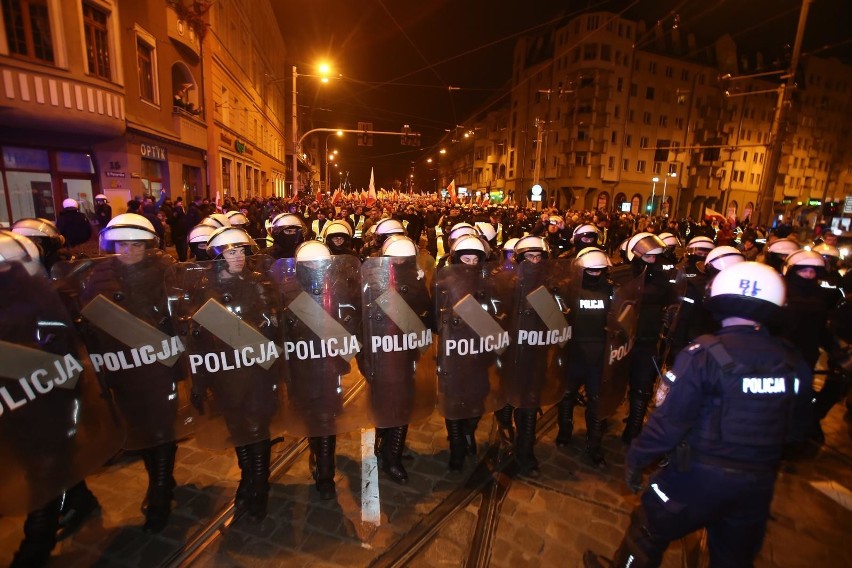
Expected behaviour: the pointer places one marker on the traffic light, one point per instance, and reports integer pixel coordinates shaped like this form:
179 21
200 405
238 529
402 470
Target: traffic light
830 208
365 138
406 131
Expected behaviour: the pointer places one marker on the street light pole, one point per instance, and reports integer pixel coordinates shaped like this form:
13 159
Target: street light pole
295 187
665 183
338 133
654 179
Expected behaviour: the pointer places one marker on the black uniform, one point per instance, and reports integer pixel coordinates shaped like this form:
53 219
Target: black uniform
725 420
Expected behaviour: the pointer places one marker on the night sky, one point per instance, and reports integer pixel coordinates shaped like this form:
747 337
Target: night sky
398 58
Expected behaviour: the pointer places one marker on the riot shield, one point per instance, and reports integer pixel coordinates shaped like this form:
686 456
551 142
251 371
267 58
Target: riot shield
621 334
56 425
470 341
321 322
536 361
120 304
397 358
228 315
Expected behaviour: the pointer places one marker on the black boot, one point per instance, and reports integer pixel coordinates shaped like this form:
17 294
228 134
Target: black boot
323 448
78 505
259 456
565 419
504 421
636 418
39 537
458 446
594 434
160 463
392 453
244 487
525 419
380 438
470 434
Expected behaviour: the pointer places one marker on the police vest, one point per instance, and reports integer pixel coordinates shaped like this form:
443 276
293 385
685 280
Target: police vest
359 227
590 315
751 409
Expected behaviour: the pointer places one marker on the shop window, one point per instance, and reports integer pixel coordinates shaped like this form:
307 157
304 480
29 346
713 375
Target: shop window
226 176
76 162
97 41
28 29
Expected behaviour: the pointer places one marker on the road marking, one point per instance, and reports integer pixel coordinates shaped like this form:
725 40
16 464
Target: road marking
371 511
835 492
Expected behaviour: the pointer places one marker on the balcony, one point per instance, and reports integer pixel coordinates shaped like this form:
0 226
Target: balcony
189 128
181 32
52 100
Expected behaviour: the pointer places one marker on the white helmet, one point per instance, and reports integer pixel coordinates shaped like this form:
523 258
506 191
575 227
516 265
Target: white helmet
591 257
226 238
40 228
461 224
468 244
237 218
285 220
200 234
399 245
388 227
827 250
641 244
487 230
16 248
722 257
70 204
531 243
336 228
459 231
783 247
749 290
216 220
584 232
312 250
670 239
805 258
100 196
700 246
510 244
127 227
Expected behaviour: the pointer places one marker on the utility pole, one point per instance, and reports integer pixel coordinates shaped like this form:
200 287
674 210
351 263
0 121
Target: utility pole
766 195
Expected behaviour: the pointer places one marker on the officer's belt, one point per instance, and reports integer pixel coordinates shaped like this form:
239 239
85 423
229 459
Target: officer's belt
724 463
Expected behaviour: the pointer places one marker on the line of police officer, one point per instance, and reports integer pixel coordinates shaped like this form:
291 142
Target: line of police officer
271 342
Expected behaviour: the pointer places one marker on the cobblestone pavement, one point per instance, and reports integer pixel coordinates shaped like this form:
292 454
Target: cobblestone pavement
548 521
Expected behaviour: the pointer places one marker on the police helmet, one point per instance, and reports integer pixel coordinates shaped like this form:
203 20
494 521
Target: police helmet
226 238
531 243
399 245
386 228
217 220
70 204
593 258
641 244
487 230
722 257
586 234
337 229
555 220
17 248
805 259
285 220
699 246
783 248
237 218
749 290
461 231
200 234
510 244
468 244
100 197
39 230
829 252
127 227
461 224
312 250
670 239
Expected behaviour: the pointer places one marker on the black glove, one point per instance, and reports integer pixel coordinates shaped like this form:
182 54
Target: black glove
197 398
634 479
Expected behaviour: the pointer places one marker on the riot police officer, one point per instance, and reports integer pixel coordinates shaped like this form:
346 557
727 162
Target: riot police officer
197 241
777 252
288 231
586 351
584 236
722 427
643 250
337 236
690 282
669 257
46 236
103 210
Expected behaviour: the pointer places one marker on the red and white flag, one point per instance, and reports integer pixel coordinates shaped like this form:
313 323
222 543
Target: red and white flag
371 194
451 190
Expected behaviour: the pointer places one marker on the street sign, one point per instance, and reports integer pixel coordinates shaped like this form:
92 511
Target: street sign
365 138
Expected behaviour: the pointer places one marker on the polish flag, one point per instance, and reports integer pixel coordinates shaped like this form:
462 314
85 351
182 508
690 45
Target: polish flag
451 190
371 194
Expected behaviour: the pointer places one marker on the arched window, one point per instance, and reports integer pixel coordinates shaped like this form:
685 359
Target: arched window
635 204
603 201
731 214
748 210
184 90
619 199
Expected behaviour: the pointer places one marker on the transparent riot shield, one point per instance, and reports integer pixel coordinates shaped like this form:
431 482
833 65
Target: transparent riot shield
536 360
397 358
227 312
470 341
120 304
56 424
321 322
621 334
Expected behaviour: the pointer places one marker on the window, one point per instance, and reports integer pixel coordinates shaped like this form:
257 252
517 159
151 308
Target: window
625 165
146 63
610 164
652 66
97 41
581 159
658 167
28 29
664 120
582 134
613 137
649 93
684 75
617 111
643 142
745 156
679 123
646 118
640 166
634 88
592 23
590 51
628 140
619 85
669 71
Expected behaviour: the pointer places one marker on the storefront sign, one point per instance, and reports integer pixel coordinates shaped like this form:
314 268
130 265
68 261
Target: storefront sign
115 174
847 204
153 152
225 139
814 202
240 146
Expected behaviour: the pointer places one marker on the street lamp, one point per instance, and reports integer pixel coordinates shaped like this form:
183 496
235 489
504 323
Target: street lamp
327 158
324 70
654 179
665 182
